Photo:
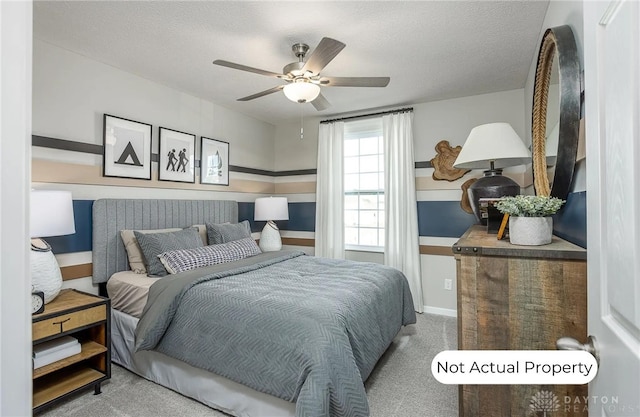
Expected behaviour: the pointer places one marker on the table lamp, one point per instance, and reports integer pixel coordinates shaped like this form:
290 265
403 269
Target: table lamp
269 209
51 215
494 146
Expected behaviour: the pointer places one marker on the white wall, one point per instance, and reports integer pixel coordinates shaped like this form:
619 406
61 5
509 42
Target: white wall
15 148
70 95
453 119
291 152
559 13
434 121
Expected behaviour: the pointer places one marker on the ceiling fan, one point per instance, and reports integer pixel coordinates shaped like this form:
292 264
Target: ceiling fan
303 79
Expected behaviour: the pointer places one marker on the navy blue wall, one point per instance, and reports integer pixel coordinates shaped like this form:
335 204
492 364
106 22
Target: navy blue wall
443 219
81 241
570 223
302 217
435 218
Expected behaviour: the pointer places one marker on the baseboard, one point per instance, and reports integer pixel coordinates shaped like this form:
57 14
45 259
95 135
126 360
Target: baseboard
441 311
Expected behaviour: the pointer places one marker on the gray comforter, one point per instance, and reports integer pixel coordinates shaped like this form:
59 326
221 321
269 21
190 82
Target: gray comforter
301 328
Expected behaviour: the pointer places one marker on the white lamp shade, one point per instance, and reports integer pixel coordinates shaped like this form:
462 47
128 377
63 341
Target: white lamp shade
271 208
51 213
301 92
496 142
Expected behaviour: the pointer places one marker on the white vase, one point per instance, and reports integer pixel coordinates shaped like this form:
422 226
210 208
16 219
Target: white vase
530 231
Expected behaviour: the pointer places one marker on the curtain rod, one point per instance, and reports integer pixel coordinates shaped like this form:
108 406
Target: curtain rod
406 109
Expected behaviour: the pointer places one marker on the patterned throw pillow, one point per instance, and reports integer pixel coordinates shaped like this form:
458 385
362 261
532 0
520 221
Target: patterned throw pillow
176 261
227 232
153 245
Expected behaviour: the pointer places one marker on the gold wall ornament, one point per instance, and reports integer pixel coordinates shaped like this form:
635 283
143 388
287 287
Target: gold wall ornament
443 162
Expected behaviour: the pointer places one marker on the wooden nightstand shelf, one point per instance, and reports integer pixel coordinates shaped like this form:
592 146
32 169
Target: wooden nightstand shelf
86 317
518 298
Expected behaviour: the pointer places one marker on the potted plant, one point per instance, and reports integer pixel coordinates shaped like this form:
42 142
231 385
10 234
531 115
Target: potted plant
530 221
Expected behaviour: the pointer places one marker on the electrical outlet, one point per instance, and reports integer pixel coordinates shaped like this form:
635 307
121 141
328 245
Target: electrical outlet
448 284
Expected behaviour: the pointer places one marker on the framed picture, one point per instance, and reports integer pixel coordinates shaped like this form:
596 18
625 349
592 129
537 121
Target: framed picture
214 161
176 159
127 148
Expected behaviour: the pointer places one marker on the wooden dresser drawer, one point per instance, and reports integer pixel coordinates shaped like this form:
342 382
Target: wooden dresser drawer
67 322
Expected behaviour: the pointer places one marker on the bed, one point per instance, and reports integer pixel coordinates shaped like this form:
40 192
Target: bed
272 334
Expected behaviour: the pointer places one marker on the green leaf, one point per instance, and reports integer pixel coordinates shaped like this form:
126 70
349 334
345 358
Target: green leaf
529 205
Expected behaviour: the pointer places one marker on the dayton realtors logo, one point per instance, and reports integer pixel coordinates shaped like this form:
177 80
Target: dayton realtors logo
544 402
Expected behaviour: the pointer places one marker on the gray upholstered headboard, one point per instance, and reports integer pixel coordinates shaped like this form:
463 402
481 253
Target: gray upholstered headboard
112 215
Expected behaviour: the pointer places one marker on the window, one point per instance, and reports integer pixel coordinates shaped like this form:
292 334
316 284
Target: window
363 184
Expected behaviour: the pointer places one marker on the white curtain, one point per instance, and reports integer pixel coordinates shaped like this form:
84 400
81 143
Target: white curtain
329 233
401 247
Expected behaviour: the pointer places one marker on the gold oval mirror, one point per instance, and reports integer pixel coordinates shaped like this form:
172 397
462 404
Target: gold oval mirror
557 50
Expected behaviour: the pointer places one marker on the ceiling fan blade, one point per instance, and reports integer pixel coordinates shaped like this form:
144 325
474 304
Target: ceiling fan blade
241 67
321 103
326 50
355 81
262 93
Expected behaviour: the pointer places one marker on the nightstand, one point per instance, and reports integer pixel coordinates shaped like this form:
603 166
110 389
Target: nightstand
86 317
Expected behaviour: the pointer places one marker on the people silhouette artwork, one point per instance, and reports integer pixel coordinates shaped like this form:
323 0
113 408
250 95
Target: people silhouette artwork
172 160
182 162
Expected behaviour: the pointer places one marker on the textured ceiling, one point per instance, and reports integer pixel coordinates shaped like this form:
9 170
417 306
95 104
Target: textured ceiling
431 50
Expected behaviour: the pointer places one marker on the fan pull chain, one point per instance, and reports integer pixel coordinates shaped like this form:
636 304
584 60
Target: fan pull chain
301 124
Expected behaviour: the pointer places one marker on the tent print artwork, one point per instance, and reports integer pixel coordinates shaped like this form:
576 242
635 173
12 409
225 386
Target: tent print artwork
132 141
127 148
129 155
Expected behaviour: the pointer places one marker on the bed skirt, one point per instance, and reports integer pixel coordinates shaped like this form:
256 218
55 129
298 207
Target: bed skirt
208 388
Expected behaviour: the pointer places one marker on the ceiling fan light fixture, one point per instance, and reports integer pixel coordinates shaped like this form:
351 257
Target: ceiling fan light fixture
301 91
303 79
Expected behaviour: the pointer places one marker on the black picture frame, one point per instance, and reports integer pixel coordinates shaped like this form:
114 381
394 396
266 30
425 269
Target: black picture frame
214 161
176 156
126 148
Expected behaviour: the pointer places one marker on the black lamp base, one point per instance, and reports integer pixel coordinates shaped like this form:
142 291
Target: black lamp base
492 185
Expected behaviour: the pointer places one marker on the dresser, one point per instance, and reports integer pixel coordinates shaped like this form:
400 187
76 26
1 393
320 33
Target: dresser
518 298
85 317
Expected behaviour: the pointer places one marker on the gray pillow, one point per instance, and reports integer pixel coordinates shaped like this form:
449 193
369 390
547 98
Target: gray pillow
134 254
227 232
154 244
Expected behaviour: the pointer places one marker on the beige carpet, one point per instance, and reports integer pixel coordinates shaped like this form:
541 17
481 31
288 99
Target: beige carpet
401 385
